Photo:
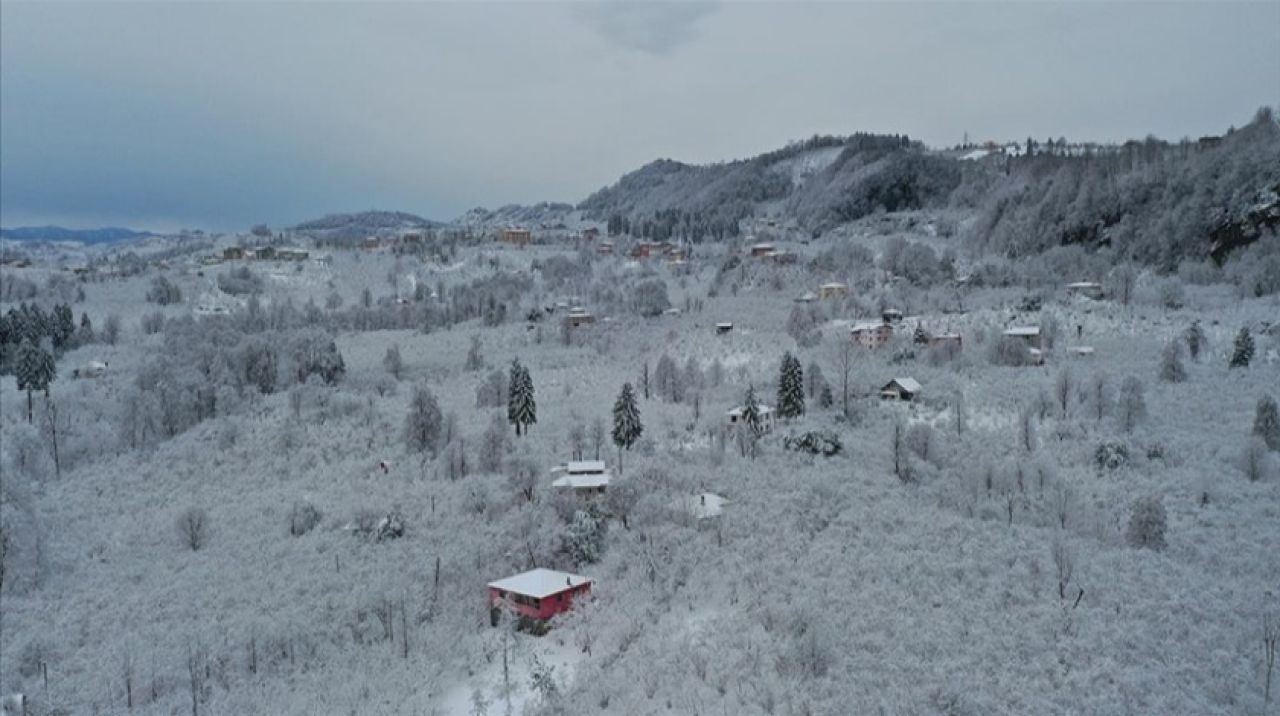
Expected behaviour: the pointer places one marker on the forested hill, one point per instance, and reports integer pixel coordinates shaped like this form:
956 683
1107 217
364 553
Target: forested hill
1156 201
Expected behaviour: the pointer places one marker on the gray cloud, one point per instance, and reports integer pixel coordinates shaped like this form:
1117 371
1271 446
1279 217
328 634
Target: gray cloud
654 27
226 114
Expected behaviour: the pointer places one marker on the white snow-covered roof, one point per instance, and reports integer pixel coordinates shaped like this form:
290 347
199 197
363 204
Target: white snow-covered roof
540 583
807 297
703 505
867 326
946 336
1084 284
584 467
724 324
975 154
762 246
1023 331
834 284
583 481
908 384
737 412
1082 350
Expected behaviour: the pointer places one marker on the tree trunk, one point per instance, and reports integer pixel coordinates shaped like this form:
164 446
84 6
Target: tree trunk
29 405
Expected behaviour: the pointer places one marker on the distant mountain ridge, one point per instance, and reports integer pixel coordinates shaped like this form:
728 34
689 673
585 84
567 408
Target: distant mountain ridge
371 221
104 235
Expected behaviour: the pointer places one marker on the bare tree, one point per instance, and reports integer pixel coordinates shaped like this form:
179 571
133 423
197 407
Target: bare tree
1270 636
1063 388
844 360
193 528
1100 395
1064 563
393 362
1027 430
901 454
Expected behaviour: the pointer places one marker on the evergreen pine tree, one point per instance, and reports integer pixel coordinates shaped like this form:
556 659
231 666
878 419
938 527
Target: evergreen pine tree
1171 369
790 388
522 409
921 337
751 411
1243 352
1266 423
86 335
627 427
63 327
32 370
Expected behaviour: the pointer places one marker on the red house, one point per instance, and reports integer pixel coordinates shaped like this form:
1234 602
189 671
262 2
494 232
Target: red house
536 595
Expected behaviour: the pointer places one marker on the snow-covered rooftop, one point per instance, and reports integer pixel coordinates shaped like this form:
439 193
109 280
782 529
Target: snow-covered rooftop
834 284
1023 331
583 481
911 385
584 467
1084 284
737 412
867 326
540 583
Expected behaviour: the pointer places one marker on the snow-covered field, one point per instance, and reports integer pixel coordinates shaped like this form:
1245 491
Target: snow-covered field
1000 580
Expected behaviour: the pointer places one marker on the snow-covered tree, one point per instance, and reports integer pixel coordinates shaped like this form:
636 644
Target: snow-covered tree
1243 352
790 387
627 427
522 409
475 357
493 445
35 369
667 380
1147 524
392 361
1171 368
1196 340
1266 422
423 424
1131 408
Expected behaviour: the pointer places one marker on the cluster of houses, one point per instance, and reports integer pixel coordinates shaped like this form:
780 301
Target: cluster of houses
264 253
831 289
538 595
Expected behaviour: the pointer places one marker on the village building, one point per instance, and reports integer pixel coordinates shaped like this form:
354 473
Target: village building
807 297
92 369
516 236
1088 289
900 389
232 253
605 248
763 250
584 478
536 595
1081 351
834 289
734 417
578 317
289 253
891 315
265 253
871 334
723 328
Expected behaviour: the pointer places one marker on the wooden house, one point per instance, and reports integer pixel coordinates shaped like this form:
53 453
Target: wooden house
1088 289
579 317
834 289
763 250
900 389
536 595
1029 335
723 328
516 236
584 478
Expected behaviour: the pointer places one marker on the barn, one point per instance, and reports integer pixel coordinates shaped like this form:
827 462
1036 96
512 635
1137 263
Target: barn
536 595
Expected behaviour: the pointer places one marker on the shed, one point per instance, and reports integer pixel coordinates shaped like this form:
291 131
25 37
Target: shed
92 369
834 289
900 389
1027 334
536 595
891 315
807 297
584 477
1088 289
762 250
579 316
723 328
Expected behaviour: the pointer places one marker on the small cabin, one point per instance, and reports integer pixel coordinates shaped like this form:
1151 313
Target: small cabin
900 389
723 328
871 334
605 248
807 297
891 315
536 595
92 369
1081 351
763 250
734 417
290 253
834 289
1088 289
584 478
579 317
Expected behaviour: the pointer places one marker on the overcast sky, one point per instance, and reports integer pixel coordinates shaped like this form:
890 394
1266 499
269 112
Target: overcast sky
222 115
